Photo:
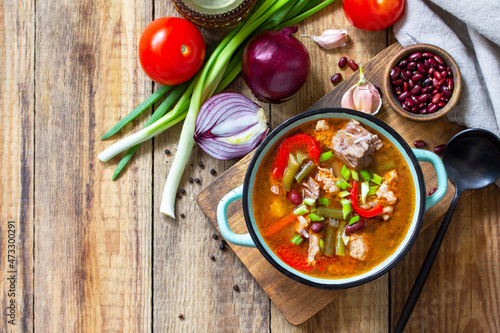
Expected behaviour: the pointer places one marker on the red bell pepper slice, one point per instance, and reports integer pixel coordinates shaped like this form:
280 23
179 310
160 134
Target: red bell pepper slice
291 256
367 213
296 142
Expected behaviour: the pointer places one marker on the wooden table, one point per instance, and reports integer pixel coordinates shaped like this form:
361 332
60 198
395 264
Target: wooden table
96 255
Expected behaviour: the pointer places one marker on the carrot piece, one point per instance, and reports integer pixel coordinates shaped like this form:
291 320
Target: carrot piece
280 225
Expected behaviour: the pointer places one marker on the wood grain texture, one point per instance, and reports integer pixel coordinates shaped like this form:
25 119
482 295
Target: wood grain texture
17 36
185 279
92 248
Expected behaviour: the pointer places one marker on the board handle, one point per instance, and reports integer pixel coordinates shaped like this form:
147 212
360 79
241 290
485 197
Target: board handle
241 240
427 156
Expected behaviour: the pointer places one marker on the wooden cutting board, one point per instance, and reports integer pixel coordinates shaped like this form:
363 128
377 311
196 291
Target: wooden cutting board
296 301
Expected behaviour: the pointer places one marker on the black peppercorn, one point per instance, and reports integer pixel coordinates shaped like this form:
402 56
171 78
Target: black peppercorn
236 288
183 216
167 152
213 172
197 180
180 315
223 242
214 236
183 191
222 247
200 163
190 179
212 257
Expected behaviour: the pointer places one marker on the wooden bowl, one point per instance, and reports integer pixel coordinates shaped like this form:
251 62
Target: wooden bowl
391 97
216 17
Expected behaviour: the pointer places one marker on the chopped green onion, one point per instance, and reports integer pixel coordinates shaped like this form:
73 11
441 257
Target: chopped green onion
345 172
296 239
354 219
377 179
365 174
309 201
301 210
346 210
342 184
344 202
315 218
373 190
364 191
344 194
304 171
354 175
321 244
324 201
325 156
333 213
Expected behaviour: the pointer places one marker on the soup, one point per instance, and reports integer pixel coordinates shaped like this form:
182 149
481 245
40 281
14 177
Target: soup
333 199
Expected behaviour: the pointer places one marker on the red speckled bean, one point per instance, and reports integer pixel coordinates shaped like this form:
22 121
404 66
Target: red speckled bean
403 96
395 73
441 104
317 227
433 62
437 75
415 90
426 64
423 111
431 192
397 82
409 102
432 108
427 55
441 68
411 65
421 68
415 56
336 78
450 84
438 59
403 75
445 91
423 98
405 86
427 90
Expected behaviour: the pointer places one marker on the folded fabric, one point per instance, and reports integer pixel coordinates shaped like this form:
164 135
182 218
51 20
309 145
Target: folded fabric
467 30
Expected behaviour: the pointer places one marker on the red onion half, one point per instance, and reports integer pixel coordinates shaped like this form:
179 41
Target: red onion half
275 65
229 125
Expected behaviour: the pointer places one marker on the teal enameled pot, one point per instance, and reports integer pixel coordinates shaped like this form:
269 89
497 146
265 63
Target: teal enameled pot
412 157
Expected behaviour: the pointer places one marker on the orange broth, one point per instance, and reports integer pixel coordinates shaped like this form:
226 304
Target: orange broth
382 237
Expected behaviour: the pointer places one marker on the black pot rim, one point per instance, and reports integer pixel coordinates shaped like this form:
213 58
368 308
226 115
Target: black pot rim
369 118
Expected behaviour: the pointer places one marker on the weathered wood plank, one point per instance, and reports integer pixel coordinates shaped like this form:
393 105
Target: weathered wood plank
92 249
17 36
185 279
461 292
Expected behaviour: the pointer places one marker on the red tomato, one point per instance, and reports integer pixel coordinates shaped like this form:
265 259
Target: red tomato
171 50
373 15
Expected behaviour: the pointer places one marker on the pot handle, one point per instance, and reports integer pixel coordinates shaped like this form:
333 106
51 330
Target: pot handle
427 156
229 235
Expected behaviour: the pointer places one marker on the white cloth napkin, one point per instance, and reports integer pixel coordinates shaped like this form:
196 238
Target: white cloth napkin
469 31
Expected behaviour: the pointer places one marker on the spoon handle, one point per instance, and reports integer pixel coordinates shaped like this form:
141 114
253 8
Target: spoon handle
426 266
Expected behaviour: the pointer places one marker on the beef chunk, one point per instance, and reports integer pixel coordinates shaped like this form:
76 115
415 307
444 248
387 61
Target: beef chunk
310 189
355 145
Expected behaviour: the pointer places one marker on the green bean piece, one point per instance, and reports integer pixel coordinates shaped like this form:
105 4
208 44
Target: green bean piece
290 171
329 241
332 213
304 171
301 156
339 242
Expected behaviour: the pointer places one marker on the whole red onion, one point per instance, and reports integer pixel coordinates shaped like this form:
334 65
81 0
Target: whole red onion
275 65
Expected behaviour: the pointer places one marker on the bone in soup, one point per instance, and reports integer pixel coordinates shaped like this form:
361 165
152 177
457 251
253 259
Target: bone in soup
333 199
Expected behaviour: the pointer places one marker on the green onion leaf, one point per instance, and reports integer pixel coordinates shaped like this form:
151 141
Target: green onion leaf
354 219
315 218
344 202
365 174
325 156
309 201
345 172
354 174
342 184
373 190
377 179
324 201
301 210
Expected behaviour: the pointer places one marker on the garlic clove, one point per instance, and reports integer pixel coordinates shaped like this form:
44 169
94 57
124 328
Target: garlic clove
363 96
330 39
348 100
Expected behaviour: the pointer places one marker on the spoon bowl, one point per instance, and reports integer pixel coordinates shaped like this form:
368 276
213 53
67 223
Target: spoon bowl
472 161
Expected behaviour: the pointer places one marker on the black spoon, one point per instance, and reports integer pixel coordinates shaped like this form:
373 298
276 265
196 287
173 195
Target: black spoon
472 161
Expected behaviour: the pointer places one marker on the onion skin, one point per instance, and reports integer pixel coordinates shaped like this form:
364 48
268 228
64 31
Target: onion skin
275 65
